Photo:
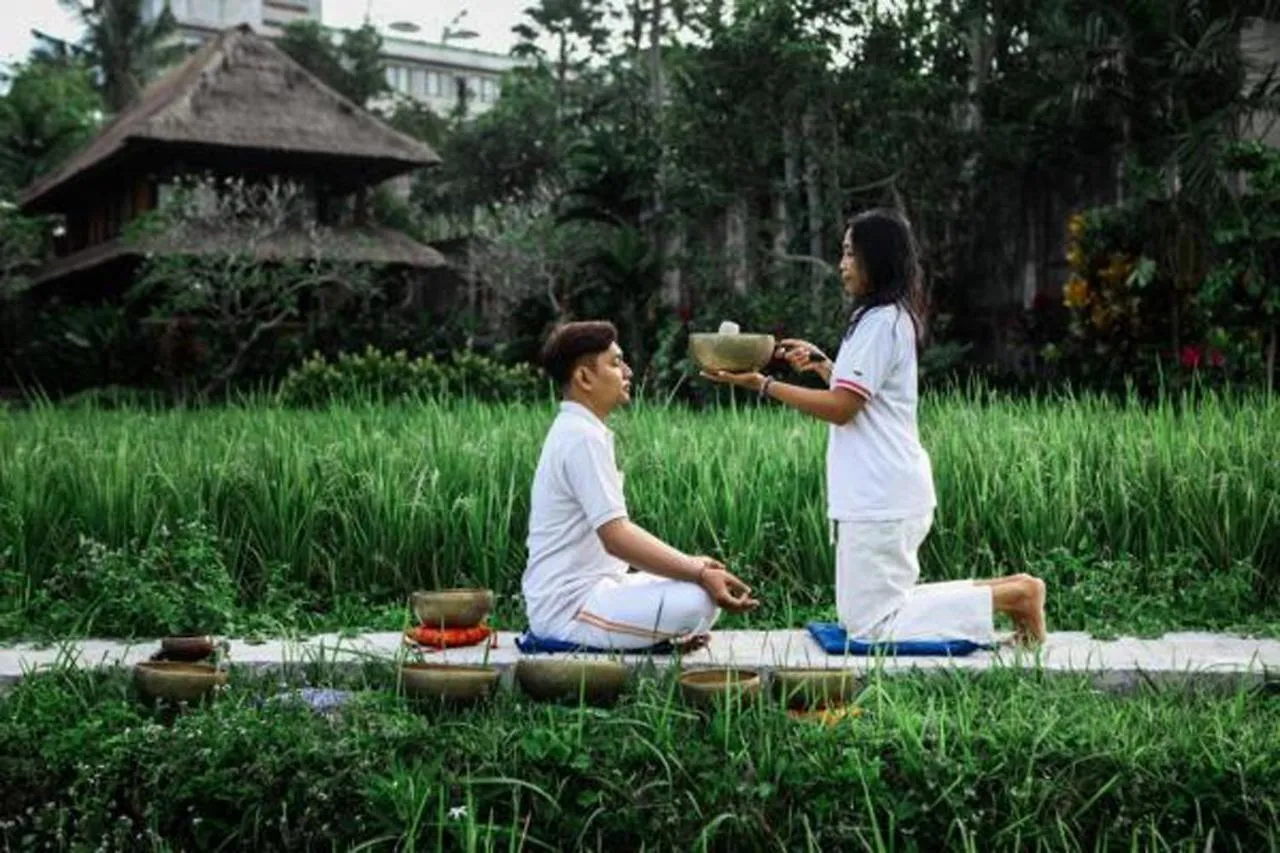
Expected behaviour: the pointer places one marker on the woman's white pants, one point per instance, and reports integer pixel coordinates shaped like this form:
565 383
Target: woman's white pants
878 596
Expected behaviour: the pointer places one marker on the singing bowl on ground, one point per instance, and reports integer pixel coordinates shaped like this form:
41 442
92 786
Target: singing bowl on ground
177 681
706 687
187 647
741 353
451 608
802 688
448 682
597 682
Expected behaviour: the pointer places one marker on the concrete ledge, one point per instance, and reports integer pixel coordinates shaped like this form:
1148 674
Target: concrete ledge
1176 658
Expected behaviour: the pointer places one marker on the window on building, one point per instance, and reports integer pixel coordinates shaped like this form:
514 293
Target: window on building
398 78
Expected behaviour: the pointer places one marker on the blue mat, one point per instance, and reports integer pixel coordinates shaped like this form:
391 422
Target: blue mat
835 641
532 644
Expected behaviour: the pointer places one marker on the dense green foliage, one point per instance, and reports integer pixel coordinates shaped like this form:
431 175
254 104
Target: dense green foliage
1002 761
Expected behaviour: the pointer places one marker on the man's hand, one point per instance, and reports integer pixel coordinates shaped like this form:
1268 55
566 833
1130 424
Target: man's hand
726 590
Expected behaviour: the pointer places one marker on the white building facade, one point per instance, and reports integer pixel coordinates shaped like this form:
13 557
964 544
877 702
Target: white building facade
441 76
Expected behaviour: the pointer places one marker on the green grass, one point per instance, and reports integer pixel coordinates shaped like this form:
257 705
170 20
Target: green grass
999 761
1140 518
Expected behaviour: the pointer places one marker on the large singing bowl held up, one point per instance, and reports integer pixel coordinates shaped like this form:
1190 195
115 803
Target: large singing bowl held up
452 608
731 353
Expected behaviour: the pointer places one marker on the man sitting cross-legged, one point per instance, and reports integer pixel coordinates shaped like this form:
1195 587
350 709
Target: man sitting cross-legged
576 584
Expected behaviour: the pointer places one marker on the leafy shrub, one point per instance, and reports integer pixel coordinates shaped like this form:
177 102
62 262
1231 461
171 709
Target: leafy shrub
177 583
373 375
473 375
370 375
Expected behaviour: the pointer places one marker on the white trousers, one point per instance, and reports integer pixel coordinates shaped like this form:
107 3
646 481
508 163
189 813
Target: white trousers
639 610
878 596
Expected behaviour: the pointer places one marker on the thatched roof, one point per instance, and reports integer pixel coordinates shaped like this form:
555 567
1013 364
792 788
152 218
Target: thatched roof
365 245
240 93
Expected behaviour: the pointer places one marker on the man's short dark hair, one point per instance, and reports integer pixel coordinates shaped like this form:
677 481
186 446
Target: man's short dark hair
571 341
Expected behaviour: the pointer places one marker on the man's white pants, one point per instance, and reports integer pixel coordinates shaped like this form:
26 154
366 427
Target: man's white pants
639 610
878 597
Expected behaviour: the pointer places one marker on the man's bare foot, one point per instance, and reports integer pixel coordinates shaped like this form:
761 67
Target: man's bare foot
691 643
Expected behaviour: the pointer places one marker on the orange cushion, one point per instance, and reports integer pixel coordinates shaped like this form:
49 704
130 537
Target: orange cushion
444 638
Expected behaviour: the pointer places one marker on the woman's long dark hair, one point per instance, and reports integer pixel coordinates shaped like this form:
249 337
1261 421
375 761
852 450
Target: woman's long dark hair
884 242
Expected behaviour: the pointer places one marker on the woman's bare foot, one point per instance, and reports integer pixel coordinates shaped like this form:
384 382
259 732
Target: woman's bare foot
1022 597
1036 623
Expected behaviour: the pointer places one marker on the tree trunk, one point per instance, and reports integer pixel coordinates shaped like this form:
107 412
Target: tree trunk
562 72
783 234
813 194
1126 134
666 243
735 245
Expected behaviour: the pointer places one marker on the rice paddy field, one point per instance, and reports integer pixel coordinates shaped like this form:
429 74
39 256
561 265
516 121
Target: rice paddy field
131 523
261 520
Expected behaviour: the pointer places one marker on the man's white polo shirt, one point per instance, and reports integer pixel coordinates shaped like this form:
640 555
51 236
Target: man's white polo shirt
576 489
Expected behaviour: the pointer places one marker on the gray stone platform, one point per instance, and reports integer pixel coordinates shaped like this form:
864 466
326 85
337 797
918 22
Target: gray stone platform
1213 659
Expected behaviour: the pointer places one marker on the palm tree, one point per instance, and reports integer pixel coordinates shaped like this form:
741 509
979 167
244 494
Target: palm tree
125 49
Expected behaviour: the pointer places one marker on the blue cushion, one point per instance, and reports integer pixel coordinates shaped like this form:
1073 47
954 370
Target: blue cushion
835 641
531 644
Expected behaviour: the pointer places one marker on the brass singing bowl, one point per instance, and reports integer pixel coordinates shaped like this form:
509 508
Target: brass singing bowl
742 353
447 682
451 608
597 682
804 688
187 647
706 687
177 681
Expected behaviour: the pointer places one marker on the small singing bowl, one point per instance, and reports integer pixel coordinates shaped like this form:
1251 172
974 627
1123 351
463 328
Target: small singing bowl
448 683
452 608
813 688
177 681
187 647
706 687
740 353
596 682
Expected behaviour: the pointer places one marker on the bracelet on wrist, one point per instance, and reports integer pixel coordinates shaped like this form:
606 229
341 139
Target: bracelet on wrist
764 387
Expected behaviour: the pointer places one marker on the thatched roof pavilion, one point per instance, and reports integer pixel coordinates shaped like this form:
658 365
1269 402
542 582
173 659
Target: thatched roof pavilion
238 106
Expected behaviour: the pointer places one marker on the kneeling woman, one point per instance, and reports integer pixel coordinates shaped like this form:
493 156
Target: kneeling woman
879 477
